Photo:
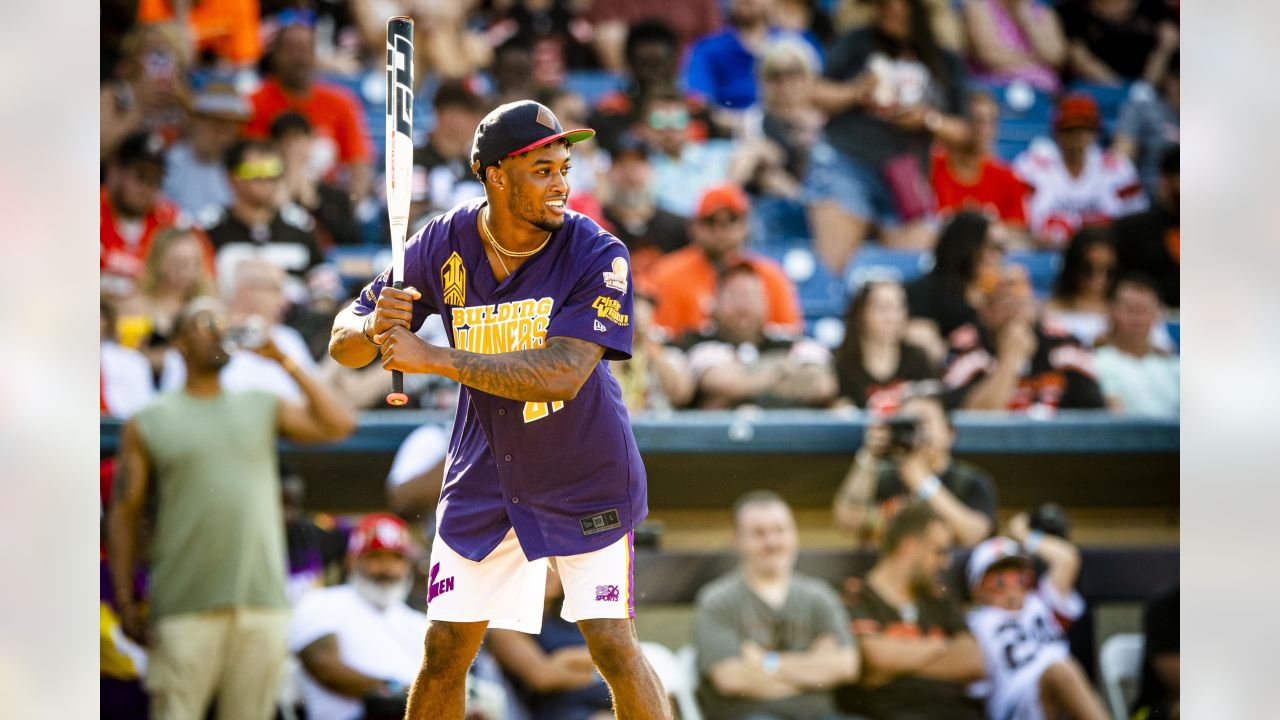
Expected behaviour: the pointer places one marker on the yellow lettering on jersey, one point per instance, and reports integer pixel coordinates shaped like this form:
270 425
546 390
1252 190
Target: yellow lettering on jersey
505 327
537 411
453 278
610 309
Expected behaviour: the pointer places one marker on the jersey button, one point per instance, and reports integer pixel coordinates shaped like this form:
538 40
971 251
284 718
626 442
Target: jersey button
508 457
515 500
502 411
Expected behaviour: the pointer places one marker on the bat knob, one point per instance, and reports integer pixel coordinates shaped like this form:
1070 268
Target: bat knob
397 399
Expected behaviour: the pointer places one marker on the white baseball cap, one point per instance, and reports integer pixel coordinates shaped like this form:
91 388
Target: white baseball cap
988 553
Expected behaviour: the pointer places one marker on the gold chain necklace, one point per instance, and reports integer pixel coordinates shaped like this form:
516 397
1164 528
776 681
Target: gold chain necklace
484 225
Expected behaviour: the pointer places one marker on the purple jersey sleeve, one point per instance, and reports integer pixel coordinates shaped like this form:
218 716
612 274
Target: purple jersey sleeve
598 309
416 275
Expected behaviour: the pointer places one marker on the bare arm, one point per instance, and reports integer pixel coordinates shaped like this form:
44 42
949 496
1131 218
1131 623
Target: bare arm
742 678
1044 32
822 666
854 503
986 45
1158 61
734 382
833 97
924 333
568 668
553 372
323 417
324 663
1016 344
129 494
808 383
888 657
960 662
673 375
970 526
1062 556
348 342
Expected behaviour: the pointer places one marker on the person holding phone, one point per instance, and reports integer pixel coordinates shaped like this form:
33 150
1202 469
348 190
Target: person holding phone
908 457
890 91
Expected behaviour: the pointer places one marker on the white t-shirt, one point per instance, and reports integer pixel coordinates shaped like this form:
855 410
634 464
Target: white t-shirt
1087 327
1018 646
1061 204
126 379
248 370
383 644
1146 386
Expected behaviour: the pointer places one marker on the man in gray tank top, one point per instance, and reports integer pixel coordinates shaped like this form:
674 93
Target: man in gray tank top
217 614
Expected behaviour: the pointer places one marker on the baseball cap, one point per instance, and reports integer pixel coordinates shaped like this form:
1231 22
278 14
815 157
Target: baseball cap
723 197
989 552
141 147
631 144
380 531
220 100
1077 110
517 128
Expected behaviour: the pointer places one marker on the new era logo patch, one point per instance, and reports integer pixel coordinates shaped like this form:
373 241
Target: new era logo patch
546 118
599 326
607 520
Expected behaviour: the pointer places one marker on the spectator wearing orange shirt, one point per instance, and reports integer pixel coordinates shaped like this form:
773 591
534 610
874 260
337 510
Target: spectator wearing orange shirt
967 176
340 140
683 283
132 211
227 28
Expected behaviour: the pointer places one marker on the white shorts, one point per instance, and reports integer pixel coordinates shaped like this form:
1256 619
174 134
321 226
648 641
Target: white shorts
507 589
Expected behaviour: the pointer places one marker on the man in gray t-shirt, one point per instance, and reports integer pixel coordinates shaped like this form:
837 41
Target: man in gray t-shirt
770 643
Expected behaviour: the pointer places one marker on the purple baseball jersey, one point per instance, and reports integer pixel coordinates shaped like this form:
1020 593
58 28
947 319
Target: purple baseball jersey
566 475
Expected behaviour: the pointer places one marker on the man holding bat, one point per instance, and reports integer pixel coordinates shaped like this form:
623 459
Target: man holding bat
543 467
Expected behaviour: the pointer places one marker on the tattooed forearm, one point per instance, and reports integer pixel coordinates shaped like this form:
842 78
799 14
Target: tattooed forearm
545 374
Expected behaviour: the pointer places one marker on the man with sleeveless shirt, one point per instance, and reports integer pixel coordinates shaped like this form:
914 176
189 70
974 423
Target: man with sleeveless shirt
543 467
217 611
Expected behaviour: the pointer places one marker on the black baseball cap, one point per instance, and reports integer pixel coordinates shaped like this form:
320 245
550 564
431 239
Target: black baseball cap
141 148
517 128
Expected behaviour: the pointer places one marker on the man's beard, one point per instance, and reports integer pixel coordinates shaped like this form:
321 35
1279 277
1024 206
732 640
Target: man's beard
536 214
382 594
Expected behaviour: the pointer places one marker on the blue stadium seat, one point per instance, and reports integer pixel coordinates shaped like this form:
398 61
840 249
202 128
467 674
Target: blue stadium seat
1042 268
1025 113
821 293
778 221
592 84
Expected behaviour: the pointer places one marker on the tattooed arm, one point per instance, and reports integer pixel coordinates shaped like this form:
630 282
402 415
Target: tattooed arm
555 371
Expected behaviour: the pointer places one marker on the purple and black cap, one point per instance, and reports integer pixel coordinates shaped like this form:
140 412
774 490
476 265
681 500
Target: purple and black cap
516 128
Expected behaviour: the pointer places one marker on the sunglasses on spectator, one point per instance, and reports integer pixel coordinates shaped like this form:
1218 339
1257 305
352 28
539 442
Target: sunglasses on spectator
674 119
270 169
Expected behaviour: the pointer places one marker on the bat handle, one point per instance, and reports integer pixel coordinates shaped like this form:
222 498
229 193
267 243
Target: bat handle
397 396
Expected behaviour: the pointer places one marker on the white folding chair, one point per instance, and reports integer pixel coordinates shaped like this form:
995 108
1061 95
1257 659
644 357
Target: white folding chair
1120 663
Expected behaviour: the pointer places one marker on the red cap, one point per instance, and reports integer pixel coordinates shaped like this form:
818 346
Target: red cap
723 197
1077 110
380 531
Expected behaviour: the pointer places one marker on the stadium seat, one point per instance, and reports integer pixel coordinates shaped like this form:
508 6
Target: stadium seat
1042 268
1025 114
1120 664
688 705
591 84
671 672
778 220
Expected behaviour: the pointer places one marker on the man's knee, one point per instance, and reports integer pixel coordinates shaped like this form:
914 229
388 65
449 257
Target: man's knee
612 643
450 647
1059 679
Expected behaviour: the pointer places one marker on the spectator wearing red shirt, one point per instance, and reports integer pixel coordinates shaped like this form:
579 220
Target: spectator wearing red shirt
132 211
683 283
967 176
341 139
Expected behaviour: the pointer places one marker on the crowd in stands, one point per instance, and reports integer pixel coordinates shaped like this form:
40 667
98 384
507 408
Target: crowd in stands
907 207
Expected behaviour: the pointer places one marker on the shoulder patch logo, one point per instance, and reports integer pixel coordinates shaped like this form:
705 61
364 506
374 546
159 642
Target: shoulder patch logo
453 278
616 279
610 309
